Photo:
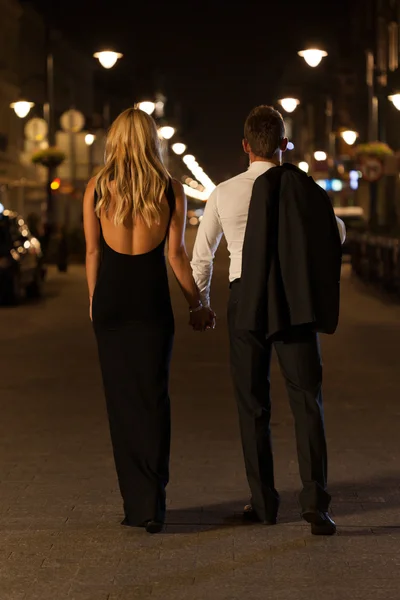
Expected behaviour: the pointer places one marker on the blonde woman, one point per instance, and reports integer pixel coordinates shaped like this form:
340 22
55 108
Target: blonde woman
130 209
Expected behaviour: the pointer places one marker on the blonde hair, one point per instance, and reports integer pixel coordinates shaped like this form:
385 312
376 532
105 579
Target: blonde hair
135 168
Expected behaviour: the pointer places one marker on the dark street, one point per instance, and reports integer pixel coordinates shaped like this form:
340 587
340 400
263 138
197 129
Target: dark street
60 507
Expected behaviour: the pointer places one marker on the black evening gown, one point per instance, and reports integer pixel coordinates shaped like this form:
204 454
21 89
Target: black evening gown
134 328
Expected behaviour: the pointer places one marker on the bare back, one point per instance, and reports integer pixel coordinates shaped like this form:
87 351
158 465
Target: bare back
135 236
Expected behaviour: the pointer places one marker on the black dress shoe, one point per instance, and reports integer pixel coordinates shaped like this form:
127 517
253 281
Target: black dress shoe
250 516
154 526
150 526
321 522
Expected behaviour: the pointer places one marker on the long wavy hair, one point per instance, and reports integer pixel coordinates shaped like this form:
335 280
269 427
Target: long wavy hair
134 172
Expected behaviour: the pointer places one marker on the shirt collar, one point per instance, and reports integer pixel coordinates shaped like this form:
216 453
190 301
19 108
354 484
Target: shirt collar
261 166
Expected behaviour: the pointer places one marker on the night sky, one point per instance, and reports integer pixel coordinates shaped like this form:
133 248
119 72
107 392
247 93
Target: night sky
213 60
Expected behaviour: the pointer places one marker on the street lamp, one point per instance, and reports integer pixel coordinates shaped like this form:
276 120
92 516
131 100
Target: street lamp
313 56
304 166
179 148
89 139
289 104
349 136
147 106
22 108
319 155
107 58
395 99
166 132
189 159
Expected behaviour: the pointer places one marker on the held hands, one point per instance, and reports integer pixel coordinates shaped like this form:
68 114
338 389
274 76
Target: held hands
202 319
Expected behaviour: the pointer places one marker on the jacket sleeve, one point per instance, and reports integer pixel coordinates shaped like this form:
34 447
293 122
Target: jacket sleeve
251 310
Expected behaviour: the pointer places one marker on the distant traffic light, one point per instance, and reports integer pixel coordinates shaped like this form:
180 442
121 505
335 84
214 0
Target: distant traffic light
55 184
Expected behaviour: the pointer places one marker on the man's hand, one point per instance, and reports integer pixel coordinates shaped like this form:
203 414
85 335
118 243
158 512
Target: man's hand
203 319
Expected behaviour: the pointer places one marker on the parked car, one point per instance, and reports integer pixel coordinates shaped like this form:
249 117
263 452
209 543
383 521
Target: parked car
354 220
20 259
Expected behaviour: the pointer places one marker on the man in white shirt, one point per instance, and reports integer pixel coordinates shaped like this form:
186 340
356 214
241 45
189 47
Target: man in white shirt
226 214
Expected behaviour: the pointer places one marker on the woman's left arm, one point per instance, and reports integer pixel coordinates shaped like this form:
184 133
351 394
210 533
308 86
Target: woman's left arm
92 236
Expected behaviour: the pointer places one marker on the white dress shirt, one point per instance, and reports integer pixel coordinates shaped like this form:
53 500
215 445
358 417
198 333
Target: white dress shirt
226 214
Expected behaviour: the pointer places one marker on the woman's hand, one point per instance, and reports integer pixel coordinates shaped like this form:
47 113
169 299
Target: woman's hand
202 319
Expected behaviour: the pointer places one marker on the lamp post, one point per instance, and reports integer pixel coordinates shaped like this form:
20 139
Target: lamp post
313 58
108 59
289 105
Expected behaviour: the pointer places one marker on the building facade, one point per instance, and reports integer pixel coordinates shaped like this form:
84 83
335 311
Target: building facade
25 44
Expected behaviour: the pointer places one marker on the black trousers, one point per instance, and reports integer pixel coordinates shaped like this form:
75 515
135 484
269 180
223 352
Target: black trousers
300 363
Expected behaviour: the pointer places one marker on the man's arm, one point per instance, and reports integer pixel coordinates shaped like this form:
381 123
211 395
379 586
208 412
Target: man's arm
207 241
342 229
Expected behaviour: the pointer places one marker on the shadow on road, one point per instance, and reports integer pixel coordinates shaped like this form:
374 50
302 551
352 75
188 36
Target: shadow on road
357 500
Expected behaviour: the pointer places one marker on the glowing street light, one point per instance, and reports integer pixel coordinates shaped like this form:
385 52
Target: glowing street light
22 108
319 155
108 58
189 159
289 104
147 106
166 132
349 136
89 139
304 166
395 99
179 148
313 56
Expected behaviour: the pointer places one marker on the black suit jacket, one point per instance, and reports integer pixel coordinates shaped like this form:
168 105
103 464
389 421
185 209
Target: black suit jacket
291 256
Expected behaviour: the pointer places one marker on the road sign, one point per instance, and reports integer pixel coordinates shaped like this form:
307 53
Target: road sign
371 169
72 121
36 130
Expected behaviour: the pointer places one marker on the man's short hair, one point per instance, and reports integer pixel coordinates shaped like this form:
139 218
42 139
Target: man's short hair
264 130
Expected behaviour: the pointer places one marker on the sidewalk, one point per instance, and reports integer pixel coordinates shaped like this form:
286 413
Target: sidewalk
59 503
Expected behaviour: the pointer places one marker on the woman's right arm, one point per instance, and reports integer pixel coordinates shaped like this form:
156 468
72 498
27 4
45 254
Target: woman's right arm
180 264
92 237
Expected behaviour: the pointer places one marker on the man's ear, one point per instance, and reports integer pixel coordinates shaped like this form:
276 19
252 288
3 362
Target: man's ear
284 144
246 146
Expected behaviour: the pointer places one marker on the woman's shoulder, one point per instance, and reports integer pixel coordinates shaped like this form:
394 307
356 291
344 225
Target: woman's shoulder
91 184
178 188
